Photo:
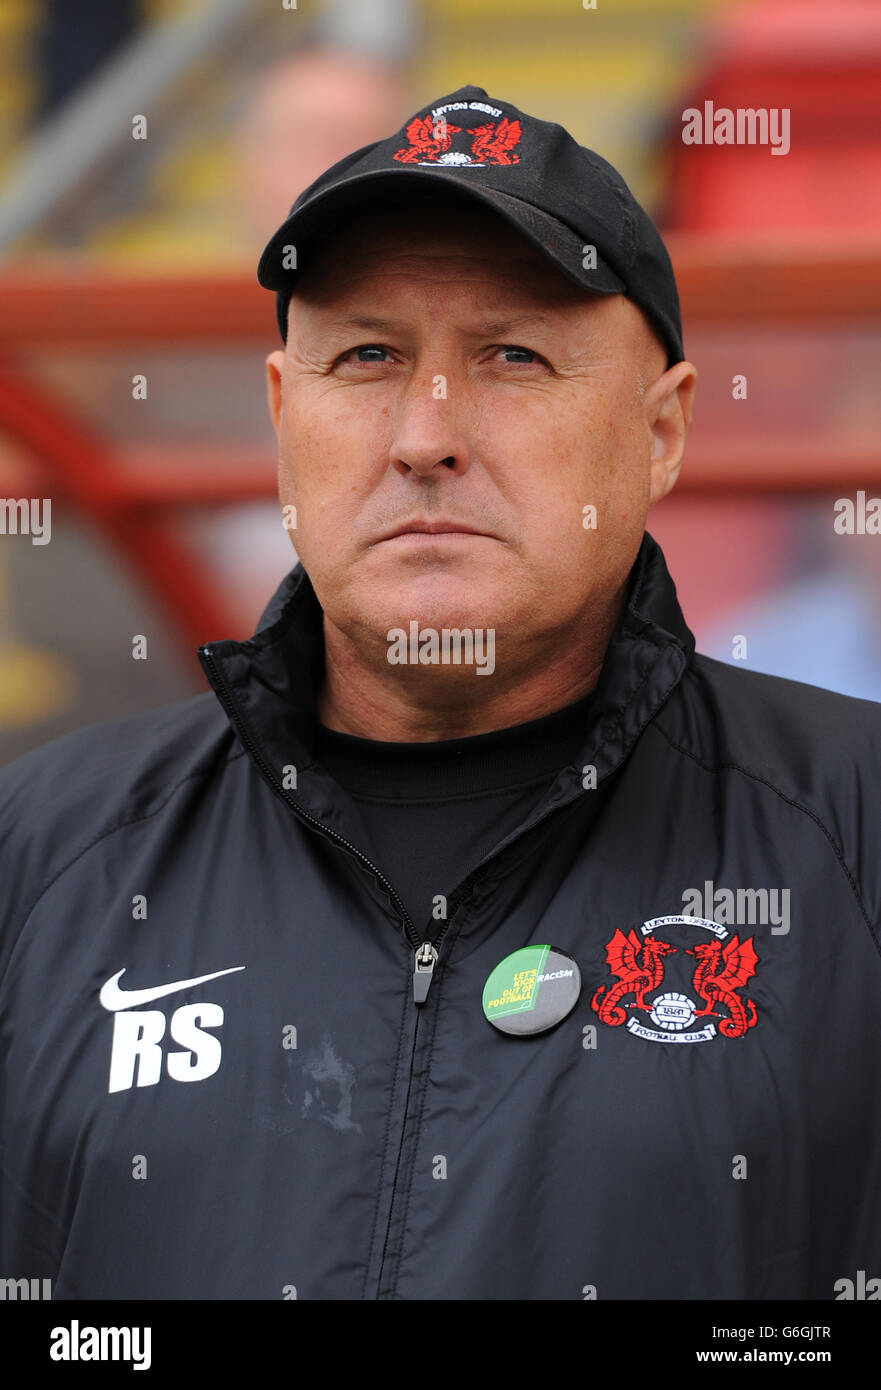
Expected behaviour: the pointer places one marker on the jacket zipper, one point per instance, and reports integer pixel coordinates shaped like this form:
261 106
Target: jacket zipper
425 952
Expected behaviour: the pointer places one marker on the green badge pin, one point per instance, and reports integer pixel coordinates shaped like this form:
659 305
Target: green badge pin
531 990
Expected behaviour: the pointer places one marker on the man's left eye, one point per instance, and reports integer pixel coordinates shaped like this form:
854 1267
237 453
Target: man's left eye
527 352
369 348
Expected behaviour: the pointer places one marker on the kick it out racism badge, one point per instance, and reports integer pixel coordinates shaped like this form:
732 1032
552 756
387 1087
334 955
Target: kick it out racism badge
531 990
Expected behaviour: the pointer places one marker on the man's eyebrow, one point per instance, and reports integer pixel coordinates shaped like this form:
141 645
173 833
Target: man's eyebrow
495 328
376 325
490 328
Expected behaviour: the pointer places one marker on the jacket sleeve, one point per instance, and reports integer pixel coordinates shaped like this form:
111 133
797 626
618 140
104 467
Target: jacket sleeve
29 843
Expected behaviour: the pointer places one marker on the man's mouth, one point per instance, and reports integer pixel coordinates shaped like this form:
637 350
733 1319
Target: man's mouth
421 531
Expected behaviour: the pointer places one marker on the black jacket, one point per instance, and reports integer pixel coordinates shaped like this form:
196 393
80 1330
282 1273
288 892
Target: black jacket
296 1126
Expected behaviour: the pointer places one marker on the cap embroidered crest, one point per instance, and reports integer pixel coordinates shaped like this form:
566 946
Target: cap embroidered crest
431 140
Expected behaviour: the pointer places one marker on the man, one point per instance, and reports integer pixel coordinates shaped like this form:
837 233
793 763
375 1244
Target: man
473 938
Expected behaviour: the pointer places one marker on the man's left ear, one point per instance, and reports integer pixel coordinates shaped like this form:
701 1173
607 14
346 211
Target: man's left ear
669 404
274 368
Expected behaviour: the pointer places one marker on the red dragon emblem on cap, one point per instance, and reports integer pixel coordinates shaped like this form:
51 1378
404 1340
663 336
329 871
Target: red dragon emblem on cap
430 141
493 142
427 140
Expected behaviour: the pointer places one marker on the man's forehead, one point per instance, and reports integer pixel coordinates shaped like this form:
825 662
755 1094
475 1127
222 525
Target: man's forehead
389 295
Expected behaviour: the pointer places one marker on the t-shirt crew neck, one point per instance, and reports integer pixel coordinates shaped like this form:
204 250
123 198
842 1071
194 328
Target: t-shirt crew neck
448 803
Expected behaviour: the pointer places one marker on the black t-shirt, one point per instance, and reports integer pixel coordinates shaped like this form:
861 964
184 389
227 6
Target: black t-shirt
432 811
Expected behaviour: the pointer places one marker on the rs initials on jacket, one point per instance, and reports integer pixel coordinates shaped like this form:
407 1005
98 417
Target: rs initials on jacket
137 1052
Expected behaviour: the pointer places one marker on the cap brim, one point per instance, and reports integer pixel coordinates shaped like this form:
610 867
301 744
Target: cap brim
306 227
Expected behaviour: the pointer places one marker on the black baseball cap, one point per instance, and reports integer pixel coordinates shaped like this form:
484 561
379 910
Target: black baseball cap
568 201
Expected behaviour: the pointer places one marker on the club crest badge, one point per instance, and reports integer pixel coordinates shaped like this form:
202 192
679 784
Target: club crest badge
692 999
431 140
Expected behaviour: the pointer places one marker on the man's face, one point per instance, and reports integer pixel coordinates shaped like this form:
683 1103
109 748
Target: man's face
438 369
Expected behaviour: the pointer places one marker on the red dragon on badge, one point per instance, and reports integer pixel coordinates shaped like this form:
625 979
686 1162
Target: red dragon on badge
622 954
720 972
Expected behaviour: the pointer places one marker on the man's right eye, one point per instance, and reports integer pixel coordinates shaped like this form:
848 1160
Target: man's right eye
365 348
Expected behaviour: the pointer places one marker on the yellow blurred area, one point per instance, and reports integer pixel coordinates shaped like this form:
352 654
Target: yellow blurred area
35 684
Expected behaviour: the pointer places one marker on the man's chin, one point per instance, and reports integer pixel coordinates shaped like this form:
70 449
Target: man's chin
438 603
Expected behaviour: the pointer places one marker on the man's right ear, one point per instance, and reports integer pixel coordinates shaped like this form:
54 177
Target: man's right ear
274 366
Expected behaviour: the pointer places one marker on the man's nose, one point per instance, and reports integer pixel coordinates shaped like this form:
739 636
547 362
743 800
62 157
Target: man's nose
429 435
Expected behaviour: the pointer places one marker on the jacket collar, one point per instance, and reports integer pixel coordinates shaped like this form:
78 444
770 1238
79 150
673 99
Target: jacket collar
269 683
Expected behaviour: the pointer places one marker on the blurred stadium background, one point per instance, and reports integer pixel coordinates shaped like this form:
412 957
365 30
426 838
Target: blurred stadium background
124 258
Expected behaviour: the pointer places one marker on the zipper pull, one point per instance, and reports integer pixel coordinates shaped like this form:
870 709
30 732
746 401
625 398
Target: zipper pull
426 958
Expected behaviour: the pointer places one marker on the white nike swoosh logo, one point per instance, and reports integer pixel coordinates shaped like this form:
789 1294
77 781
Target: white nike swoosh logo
113 998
